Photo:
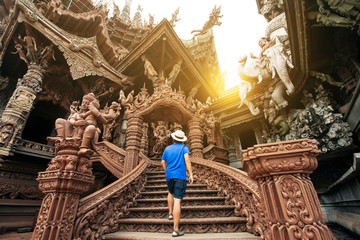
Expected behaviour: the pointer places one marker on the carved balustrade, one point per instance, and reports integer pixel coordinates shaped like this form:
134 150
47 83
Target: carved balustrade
99 213
112 157
29 147
291 205
238 189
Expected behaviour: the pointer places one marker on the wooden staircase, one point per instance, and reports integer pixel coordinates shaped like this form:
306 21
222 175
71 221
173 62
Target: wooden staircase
203 211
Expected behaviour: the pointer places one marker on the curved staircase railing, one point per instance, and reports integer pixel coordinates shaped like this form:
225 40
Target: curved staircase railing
112 157
99 212
238 188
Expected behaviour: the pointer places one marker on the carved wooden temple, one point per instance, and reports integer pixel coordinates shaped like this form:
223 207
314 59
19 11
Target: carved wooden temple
88 100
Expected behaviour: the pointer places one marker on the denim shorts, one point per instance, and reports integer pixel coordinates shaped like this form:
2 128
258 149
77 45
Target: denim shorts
176 187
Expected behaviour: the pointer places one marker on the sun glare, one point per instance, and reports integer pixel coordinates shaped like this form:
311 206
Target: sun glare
238 34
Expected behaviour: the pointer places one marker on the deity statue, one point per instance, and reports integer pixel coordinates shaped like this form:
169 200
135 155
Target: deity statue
29 43
149 71
81 124
110 114
174 73
162 135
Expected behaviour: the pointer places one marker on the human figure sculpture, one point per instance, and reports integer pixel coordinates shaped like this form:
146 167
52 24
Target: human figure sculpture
192 93
110 114
149 70
6 132
161 134
80 124
29 43
20 51
90 113
174 72
47 54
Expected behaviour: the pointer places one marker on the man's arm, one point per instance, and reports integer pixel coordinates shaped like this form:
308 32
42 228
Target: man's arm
188 167
163 164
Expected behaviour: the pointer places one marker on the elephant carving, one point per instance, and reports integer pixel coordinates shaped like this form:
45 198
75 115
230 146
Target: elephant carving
273 63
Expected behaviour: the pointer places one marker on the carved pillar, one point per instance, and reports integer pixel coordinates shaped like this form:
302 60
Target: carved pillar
133 140
144 146
291 205
18 108
196 137
66 178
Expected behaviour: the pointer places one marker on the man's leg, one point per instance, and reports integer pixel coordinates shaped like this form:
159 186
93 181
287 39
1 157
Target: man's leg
176 213
170 200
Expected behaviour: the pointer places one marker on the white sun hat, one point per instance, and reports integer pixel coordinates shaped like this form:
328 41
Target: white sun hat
179 135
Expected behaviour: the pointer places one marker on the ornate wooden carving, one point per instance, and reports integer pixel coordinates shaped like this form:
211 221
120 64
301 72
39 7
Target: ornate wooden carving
291 206
18 108
67 176
111 203
238 189
112 157
196 137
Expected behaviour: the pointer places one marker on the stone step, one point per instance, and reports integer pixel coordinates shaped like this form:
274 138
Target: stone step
163 187
157 176
186 212
187 236
188 225
187 201
189 192
154 181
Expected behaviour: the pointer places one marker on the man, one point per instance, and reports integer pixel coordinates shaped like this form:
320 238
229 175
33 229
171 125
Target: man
175 161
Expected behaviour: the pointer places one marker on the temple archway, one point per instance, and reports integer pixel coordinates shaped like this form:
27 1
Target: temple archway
164 104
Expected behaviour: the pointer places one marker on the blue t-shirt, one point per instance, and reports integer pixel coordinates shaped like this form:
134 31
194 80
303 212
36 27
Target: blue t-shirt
175 161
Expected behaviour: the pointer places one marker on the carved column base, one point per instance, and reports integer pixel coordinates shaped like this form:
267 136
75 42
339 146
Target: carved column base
291 205
66 178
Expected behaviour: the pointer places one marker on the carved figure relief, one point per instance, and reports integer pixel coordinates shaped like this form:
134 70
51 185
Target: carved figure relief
162 137
110 114
174 73
6 133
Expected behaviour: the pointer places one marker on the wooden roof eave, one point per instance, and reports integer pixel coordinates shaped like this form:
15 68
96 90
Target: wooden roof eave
102 32
164 28
81 63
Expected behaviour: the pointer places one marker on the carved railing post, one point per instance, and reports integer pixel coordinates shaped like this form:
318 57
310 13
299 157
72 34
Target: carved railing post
196 137
67 177
133 139
291 205
18 108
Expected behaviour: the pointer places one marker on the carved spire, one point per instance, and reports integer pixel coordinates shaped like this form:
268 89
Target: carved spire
125 15
137 21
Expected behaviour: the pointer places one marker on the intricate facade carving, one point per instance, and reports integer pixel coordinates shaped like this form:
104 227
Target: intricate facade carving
318 120
291 206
